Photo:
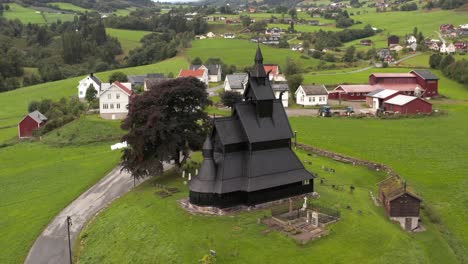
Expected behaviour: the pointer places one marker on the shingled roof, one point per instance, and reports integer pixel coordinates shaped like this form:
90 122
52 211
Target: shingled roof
315 89
394 187
425 74
37 116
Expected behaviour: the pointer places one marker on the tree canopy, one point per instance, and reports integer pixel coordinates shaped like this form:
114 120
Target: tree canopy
163 123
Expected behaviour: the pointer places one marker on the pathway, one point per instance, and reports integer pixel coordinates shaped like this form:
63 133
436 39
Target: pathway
440 36
51 246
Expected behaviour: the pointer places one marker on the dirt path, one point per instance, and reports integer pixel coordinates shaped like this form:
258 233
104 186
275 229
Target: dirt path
51 246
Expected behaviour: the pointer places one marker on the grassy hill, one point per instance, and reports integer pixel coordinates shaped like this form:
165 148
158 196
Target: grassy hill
129 39
368 237
41 178
34 16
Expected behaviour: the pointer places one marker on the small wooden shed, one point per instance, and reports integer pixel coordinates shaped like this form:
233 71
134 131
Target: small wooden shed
401 204
29 123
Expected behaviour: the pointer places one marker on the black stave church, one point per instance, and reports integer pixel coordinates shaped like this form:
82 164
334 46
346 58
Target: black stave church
248 157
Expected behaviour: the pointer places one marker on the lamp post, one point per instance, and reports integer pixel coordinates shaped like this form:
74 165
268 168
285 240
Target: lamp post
69 223
295 139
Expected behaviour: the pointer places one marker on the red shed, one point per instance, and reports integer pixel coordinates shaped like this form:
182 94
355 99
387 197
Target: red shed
376 98
31 122
408 105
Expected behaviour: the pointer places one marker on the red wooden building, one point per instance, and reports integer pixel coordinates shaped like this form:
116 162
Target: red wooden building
408 105
376 98
428 81
401 204
31 122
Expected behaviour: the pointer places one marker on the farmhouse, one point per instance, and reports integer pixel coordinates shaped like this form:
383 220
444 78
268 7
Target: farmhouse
376 98
235 82
29 123
83 85
214 71
139 80
281 91
248 157
401 204
273 72
113 102
200 74
447 48
408 105
393 40
150 82
411 39
417 81
311 95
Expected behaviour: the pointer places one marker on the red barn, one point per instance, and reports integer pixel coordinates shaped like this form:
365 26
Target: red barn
408 105
428 81
351 92
31 122
446 28
376 98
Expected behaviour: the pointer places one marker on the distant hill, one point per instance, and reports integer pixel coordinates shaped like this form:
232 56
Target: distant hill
99 5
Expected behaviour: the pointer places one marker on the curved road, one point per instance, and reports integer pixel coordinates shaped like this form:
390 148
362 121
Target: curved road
51 247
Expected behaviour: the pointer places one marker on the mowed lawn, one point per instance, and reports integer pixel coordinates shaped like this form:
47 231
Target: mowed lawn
30 15
15 103
242 52
70 7
129 39
430 153
142 227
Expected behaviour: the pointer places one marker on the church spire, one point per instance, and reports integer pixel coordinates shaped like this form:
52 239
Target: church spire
258 69
258 56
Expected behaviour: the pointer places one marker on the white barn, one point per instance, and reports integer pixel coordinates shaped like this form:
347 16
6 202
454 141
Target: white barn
311 95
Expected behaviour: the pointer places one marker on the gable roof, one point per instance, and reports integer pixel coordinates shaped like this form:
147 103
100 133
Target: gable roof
154 81
400 100
141 78
237 80
260 88
382 93
425 74
392 75
37 116
229 130
95 79
314 89
280 87
394 187
192 73
274 68
119 85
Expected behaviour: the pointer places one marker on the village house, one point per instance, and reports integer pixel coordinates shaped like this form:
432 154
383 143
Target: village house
376 98
150 82
281 91
446 28
311 95
229 35
366 42
83 85
139 80
214 71
434 46
247 157
297 47
461 47
114 101
252 10
235 82
401 204
210 35
408 105
411 39
447 49
393 40
30 123
273 72
396 48
416 81
313 22
271 31
200 74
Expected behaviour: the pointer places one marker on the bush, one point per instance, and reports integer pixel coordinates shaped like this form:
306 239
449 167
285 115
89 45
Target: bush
229 98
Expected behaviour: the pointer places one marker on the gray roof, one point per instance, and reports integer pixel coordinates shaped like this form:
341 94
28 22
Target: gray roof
37 116
259 88
258 129
280 87
140 79
213 69
95 79
315 89
155 81
426 74
236 80
375 92
229 130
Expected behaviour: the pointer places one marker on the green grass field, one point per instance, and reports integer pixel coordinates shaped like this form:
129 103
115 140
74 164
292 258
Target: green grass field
161 231
427 152
38 179
30 15
15 103
70 7
241 52
129 39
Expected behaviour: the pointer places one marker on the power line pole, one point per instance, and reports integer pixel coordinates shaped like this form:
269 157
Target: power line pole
69 223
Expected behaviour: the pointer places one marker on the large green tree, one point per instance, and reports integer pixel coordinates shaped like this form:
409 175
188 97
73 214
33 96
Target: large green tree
164 124
91 93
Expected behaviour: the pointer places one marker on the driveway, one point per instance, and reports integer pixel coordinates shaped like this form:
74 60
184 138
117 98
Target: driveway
51 246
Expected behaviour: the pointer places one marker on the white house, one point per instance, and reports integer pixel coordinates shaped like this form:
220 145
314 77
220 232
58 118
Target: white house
201 74
235 82
411 40
113 101
86 82
214 71
210 35
229 35
274 72
311 95
281 91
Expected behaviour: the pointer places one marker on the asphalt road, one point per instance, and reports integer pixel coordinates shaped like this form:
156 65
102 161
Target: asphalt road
51 246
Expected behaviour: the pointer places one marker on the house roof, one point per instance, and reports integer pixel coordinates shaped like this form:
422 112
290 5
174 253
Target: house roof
382 93
192 73
236 80
149 82
280 87
213 69
394 187
95 79
264 129
37 116
400 100
314 89
141 78
274 68
123 87
357 88
425 74
392 75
